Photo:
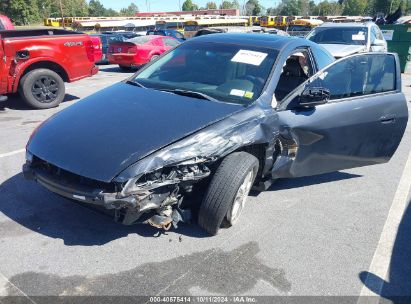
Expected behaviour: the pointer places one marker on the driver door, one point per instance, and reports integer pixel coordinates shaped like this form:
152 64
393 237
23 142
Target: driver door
348 115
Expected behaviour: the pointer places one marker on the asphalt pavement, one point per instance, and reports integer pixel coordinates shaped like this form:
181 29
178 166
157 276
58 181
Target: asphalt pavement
313 236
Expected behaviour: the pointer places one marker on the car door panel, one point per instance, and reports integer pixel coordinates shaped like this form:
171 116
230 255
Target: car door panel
3 74
346 132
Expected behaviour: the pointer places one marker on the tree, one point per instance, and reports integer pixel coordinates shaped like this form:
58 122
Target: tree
188 5
354 7
22 12
111 13
96 9
131 10
253 8
211 5
290 8
226 5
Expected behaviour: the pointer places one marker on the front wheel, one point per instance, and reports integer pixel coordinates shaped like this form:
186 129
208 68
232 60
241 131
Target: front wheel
227 193
42 89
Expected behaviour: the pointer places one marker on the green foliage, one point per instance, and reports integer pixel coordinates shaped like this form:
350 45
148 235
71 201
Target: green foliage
290 8
25 12
131 10
229 5
188 5
96 9
21 12
211 5
354 7
253 8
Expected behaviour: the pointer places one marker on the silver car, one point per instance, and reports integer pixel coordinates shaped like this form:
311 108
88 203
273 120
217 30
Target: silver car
344 39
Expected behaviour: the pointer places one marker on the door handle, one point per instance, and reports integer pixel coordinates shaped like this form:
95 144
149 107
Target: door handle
386 119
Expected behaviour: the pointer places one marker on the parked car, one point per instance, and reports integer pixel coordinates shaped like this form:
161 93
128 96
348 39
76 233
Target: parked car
5 23
222 113
36 63
109 37
169 33
138 51
98 48
344 39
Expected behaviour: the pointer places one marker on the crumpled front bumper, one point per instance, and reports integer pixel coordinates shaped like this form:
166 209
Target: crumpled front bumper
77 192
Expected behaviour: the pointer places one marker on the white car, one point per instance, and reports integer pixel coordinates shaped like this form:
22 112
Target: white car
344 39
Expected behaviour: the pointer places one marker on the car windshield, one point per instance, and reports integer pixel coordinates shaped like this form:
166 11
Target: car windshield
225 72
339 35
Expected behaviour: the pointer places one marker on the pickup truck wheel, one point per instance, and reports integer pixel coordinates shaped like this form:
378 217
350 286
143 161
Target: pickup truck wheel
228 190
42 89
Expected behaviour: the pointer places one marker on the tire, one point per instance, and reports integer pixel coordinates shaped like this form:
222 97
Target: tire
154 57
42 89
218 201
125 68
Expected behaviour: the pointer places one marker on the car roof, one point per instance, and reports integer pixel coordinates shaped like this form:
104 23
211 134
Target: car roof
252 39
347 24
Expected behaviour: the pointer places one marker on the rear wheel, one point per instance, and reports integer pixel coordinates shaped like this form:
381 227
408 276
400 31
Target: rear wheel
42 89
227 193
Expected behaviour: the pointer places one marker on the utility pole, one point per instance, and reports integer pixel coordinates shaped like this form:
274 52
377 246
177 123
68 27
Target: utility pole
179 5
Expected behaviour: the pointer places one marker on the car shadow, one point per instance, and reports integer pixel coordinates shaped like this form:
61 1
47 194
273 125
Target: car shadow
298 182
117 69
397 288
15 102
28 204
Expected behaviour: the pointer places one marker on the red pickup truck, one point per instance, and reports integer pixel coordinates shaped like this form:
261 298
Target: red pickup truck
36 63
5 23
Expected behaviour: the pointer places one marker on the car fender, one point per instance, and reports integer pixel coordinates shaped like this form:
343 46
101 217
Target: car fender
18 70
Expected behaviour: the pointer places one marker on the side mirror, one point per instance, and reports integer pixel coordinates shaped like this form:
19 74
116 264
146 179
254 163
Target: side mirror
312 97
378 42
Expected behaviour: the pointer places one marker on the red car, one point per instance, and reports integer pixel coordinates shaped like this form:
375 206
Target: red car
98 48
5 23
139 50
36 63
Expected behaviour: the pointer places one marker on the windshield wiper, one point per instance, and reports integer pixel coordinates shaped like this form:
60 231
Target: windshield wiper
190 94
135 83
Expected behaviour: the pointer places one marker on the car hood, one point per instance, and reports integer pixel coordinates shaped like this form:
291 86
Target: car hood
101 135
342 50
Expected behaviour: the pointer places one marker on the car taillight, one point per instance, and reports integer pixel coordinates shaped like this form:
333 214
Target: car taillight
132 50
90 50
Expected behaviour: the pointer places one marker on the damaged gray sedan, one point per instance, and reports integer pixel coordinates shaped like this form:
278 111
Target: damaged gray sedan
217 116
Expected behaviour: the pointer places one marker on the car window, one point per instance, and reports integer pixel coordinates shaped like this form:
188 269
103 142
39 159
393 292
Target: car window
115 38
226 72
358 76
373 34
140 40
339 35
296 70
377 33
322 58
170 42
1 25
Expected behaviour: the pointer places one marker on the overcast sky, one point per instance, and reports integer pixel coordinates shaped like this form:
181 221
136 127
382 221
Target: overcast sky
170 5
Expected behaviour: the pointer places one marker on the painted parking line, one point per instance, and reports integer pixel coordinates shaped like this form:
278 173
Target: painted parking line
382 256
12 153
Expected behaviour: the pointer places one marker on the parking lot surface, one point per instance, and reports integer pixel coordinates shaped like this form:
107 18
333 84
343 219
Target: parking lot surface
313 236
